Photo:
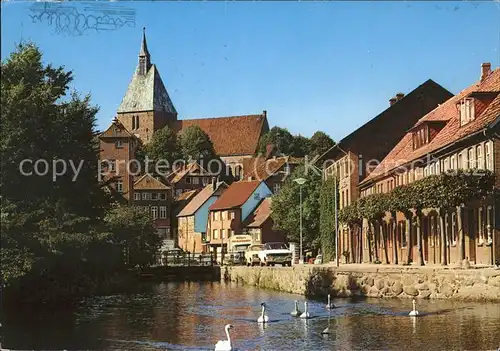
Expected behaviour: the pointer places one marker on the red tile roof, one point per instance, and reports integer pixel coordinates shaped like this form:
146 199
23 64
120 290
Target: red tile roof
238 135
403 152
260 214
235 195
200 199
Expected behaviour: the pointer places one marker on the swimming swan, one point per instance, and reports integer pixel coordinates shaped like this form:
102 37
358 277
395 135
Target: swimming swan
306 314
225 345
329 305
296 312
413 312
263 317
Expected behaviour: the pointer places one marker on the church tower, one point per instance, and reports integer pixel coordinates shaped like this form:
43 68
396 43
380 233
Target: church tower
146 106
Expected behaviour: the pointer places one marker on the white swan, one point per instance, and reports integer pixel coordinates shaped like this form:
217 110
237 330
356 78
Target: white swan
306 314
329 305
413 312
263 317
296 312
225 345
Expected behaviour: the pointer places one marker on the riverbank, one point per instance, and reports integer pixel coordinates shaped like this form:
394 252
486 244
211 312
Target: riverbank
373 281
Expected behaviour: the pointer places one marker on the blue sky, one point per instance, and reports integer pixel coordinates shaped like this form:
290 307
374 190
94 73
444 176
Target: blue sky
327 66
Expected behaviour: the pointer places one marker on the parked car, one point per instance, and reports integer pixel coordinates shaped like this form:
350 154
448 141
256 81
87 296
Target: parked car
252 254
275 253
318 259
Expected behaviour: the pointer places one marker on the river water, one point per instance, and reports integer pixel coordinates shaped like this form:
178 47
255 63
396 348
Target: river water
191 316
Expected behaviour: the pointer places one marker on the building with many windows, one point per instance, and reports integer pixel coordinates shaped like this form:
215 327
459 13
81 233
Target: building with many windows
462 133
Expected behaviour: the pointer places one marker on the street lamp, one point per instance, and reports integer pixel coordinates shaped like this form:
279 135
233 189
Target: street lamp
300 182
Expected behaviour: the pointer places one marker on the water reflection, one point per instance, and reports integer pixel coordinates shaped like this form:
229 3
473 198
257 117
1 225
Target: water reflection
193 315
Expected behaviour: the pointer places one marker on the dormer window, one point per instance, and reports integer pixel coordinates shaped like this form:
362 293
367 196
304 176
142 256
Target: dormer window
466 111
421 136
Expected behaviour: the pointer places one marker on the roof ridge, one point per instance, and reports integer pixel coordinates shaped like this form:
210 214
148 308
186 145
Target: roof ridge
221 117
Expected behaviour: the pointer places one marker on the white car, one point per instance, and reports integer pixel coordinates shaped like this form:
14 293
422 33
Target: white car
275 253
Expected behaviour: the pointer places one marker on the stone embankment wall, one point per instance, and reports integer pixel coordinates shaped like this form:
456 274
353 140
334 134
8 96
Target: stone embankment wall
373 281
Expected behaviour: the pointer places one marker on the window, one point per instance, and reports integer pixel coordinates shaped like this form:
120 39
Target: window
403 234
446 166
163 212
489 155
154 212
479 157
489 224
421 136
437 167
119 186
162 196
146 196
216 234
217 215
188 180
453 162
154 196
426 171
453 229
466 111
256 196
178 192
196 180
112 165
460 162
465 162
137 196
205 180
287 169
223 214
276 188
232 214
222 235
480 226
472 161
118 144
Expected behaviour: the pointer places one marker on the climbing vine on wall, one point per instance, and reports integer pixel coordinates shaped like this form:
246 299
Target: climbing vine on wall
436 191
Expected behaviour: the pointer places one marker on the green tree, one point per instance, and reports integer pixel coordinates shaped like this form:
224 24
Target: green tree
196 144
286 208
300 146
55 241
320 142
132 230
327 218
281 138
163 146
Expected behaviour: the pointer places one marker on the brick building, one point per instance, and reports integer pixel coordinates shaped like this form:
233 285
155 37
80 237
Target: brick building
462 133
354 157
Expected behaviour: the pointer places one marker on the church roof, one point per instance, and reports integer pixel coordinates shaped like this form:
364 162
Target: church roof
231 136
147 93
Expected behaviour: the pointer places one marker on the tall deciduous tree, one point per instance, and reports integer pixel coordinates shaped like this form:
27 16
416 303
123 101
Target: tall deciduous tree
196 144
320 142
286 208
54 239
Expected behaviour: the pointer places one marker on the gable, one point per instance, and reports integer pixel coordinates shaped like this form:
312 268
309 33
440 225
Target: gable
147 182
116 130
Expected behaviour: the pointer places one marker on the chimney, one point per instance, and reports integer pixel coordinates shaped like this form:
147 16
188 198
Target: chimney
399 96
264 113
485 70
214 183
392 101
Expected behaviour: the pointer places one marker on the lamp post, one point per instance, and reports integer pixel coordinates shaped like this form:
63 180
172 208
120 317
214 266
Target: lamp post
300 181
336 223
